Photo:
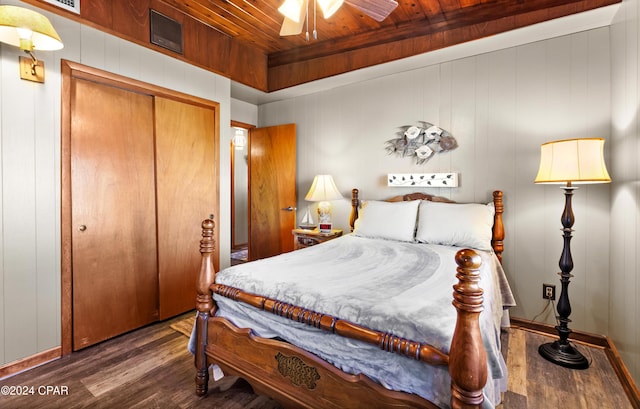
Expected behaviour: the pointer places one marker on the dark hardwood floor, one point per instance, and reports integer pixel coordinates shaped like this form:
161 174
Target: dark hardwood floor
536 383
151 368
148 368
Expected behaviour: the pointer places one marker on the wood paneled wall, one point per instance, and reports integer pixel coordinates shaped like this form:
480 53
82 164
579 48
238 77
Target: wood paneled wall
500 106
625 193
30 245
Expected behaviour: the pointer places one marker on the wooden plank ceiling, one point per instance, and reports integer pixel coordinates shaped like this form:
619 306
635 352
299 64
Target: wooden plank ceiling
246 32
434 22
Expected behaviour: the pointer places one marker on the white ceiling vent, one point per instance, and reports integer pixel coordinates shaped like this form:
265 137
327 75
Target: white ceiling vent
71 5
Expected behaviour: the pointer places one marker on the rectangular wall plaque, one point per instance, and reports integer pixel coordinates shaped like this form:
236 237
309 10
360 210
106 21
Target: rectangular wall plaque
422 179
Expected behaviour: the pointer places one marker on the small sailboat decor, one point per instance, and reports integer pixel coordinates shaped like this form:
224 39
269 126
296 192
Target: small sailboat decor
307 222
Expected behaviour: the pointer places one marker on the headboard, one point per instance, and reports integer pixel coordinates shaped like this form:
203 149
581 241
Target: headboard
497 239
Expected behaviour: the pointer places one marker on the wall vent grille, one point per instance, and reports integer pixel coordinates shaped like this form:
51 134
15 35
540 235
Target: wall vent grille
71 5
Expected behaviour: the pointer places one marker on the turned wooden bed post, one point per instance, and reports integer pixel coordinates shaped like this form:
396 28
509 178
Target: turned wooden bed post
467 356
355 203
497 241
204 305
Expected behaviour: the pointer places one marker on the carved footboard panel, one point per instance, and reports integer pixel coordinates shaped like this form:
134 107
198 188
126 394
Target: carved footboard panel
293 377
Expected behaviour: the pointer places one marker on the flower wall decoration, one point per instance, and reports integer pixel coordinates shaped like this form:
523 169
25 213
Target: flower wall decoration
421 142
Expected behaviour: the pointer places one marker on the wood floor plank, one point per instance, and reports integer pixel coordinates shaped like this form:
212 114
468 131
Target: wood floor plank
119 373
517 363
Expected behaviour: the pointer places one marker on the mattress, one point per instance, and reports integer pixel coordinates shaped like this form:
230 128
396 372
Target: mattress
403 288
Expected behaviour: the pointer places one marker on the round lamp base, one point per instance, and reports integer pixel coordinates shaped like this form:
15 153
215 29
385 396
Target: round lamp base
563 355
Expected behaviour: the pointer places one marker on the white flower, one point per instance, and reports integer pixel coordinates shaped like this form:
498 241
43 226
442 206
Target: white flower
412 132
433 132
424 152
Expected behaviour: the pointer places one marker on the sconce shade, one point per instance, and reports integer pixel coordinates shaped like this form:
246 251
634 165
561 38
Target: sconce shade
573 161
27 29
323 189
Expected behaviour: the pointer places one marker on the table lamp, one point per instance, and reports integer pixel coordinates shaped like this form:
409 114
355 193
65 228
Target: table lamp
323 190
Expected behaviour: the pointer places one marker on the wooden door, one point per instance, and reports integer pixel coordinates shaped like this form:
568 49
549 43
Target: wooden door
113 214
272 190
186 190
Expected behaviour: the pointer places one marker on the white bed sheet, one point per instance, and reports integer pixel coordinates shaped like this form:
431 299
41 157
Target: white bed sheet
397 287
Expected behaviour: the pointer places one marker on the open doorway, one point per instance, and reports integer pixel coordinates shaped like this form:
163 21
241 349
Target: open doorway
239 192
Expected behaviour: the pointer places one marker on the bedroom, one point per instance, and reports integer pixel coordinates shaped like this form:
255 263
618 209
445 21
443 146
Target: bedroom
500 104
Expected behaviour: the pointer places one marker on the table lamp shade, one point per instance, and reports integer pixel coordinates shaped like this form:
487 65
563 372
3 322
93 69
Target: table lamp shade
323 189
573 161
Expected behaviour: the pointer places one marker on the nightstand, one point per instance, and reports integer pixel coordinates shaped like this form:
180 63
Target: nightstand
307 238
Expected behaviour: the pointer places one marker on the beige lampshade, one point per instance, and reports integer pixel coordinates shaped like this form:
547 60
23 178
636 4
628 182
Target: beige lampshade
323 189
27 29
573 161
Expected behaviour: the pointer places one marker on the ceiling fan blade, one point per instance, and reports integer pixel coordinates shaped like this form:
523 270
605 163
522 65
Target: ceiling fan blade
376 9
291 27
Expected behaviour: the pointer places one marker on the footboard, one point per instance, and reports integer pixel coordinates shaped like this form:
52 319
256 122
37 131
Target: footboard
294 377
299 379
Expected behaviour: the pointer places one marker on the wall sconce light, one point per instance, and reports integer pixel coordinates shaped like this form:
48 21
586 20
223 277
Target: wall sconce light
239 139
30 31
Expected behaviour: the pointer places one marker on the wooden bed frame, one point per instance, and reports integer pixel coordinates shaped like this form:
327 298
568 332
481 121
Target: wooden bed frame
298 379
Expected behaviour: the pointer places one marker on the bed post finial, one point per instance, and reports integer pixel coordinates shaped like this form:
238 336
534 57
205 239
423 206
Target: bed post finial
204 305
355 204
467 356
498 227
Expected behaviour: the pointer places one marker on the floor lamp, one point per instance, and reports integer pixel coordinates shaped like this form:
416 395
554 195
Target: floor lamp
569 162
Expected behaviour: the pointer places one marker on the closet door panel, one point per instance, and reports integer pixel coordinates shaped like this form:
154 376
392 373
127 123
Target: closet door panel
114 265
186 195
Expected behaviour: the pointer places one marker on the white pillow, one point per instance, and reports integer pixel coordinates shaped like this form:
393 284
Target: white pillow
387 220
456 224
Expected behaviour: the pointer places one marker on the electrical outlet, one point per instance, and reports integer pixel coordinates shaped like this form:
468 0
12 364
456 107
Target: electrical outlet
549 291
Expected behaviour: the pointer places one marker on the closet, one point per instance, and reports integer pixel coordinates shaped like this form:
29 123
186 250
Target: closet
139 176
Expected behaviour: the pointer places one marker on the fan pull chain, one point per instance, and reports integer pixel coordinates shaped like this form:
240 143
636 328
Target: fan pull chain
306 34
315 9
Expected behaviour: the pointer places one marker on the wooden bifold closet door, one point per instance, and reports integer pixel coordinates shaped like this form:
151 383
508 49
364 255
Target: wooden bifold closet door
142 170
115 277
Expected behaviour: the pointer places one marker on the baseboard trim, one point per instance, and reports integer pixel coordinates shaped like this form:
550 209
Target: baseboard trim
29 362
601 341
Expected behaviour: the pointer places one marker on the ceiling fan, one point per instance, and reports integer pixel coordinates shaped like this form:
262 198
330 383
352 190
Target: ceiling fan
295 11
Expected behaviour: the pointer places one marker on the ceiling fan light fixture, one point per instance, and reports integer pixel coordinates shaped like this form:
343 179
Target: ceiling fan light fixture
293 9
329 7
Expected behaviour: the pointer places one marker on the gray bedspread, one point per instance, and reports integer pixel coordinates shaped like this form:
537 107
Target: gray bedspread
397 287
